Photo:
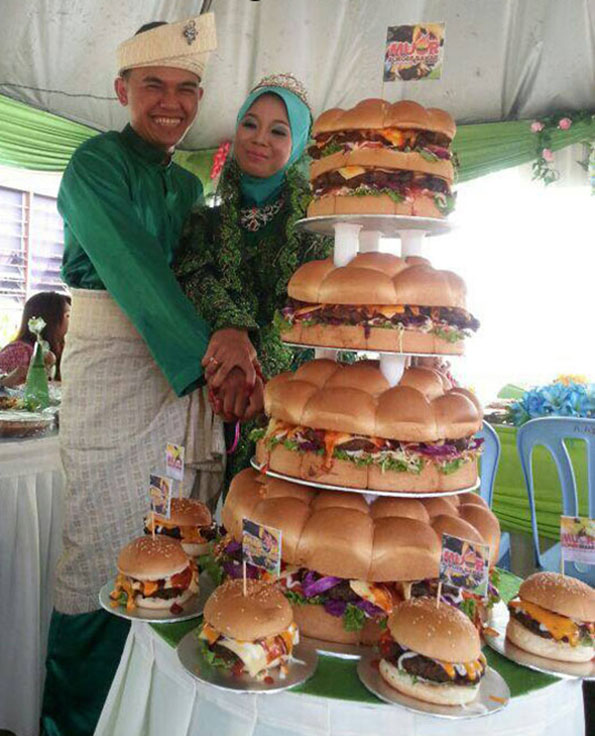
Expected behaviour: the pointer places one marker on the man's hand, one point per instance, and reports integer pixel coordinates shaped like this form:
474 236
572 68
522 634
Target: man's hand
228 349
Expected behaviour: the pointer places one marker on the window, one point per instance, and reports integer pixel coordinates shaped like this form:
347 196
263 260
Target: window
31 245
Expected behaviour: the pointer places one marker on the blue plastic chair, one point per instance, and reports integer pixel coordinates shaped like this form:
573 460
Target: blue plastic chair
550 432
490 458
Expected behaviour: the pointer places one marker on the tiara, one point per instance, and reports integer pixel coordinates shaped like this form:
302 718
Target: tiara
287 81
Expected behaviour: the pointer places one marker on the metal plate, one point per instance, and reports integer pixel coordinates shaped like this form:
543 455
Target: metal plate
301 668
334 649
493 694
388 225
371 353
500 644
191 609
366 491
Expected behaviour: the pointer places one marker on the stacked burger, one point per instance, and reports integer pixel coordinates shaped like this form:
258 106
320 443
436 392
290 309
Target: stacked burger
346 563
377 302
343 425
378 158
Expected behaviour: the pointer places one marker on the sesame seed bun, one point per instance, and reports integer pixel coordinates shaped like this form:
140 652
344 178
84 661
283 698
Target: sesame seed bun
263 612
561 594
146 558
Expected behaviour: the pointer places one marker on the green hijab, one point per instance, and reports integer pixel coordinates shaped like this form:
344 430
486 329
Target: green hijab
258 191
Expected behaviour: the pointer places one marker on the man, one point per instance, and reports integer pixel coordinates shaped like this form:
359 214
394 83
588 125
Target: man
133 355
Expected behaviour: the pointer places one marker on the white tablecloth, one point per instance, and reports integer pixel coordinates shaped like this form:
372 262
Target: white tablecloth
153 695
31 488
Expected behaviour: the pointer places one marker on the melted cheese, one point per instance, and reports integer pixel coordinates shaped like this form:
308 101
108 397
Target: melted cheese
557 625
376 594
209 633
252 655
389 310
310 308
348 172
149 587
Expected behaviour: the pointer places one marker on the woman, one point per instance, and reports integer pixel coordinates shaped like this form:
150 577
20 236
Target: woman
15 357
237 258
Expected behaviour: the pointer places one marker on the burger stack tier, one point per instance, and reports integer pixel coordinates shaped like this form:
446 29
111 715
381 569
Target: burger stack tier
343 425
338 549
380 302
382 158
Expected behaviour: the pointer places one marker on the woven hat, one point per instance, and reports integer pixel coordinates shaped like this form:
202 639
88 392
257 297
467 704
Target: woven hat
183 45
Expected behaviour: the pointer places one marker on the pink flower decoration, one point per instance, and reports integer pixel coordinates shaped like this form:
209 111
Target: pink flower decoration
565 123
547 155
219 158
537 127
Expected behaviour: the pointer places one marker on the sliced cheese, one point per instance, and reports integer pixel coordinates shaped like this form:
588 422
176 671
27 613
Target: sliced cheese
348 172
378 595
310 308
557 625
253 656
209 633
388 310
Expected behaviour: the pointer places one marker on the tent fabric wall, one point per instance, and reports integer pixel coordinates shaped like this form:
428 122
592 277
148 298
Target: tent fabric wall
503 61
34 139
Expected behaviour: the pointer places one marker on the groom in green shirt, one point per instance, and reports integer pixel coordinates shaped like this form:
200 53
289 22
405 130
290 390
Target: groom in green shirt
123 202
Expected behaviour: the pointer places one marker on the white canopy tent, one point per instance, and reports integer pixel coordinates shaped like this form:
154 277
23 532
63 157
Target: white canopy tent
504 59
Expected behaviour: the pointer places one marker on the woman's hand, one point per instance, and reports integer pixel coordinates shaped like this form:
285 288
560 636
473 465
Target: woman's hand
228 349
15 377
235 401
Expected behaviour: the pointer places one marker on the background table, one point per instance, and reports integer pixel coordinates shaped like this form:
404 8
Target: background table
511 503
31 488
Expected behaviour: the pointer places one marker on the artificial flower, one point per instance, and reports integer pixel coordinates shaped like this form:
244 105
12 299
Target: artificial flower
537 127
547 155
565 123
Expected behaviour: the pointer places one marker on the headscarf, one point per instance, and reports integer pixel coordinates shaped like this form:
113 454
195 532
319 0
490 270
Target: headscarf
258 191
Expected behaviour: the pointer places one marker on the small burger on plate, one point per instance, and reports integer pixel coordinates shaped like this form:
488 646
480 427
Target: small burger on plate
154 573
554 617
432 653
248 634
190 522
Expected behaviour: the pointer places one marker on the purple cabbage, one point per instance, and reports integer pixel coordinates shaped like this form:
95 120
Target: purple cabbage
232 548
309 446
335 607
369 608
234 570
312 587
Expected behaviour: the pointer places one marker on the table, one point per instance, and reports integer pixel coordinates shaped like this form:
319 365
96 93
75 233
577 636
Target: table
31 488
511 504
153 695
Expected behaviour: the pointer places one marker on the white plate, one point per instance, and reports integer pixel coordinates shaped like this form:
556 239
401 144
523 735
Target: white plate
569 670
191 609
388 225
492 686
334 649
366 491
371 353
301 668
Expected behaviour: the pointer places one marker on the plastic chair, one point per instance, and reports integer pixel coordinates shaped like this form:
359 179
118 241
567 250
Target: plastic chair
490 458
550 432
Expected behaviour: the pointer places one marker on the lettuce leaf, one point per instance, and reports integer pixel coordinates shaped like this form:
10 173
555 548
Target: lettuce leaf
451 466
211 657
213 569
445 203
427 154
257 434
353 618
331 148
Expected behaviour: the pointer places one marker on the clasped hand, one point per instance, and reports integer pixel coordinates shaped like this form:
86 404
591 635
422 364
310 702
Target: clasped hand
233 375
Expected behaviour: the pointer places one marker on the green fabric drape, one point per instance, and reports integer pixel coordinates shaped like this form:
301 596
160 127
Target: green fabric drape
34 139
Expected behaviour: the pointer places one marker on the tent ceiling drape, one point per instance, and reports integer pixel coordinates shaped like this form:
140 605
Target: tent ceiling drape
504 60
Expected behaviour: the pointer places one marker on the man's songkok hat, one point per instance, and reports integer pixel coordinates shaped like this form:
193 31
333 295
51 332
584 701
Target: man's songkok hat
184 45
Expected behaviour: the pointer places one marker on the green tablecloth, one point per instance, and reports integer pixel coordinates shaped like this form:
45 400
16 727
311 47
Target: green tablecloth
511 503
337 678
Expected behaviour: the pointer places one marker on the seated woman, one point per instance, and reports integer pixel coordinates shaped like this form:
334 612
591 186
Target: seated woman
15 357
237 258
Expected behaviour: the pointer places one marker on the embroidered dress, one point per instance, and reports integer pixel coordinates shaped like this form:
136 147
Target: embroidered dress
15 355
235 266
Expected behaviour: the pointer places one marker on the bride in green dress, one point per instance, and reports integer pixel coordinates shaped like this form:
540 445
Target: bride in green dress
237 257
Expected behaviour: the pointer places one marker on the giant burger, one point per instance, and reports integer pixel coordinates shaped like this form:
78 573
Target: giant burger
248 634
377 302
343 425
554 617
378 158
154 573
432 652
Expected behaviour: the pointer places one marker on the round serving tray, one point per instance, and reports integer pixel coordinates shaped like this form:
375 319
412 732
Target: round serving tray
301 667
568 670
493 694
365 491
388 225
334 649
191 609
372 353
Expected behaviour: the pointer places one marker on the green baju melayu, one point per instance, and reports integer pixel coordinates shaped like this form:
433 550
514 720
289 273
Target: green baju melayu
135 345
235 267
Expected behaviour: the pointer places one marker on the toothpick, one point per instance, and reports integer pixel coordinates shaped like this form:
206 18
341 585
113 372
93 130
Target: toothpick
153 524
562 559
180 484
244 576
438 593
